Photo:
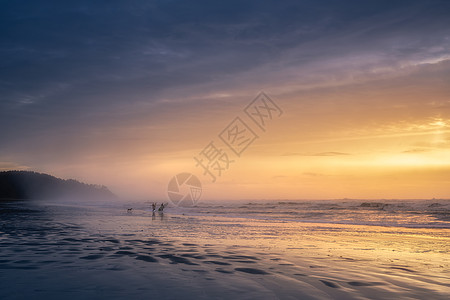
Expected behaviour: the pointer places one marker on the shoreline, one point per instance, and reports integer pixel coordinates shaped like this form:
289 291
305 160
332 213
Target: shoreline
84 252
314 222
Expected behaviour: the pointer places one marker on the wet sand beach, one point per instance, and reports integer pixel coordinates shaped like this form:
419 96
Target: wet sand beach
73 252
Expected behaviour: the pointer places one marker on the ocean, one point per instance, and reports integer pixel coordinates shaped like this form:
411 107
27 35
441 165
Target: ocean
397 213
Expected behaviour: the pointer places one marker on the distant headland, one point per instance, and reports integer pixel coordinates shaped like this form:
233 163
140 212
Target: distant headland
23 185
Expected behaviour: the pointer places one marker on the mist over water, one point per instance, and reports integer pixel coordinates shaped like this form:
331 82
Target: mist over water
429 213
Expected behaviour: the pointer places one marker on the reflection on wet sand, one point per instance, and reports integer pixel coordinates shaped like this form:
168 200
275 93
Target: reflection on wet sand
204 257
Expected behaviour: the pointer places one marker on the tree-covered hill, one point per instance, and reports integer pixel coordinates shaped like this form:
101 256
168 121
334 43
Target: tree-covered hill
32 185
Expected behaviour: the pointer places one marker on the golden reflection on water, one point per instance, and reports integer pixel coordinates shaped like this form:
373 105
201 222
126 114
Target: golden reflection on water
396 259
425 248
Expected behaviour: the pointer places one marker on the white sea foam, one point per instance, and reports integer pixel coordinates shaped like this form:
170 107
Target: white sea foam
398 213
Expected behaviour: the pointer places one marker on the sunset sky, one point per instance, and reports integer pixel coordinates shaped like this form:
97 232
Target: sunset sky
127 93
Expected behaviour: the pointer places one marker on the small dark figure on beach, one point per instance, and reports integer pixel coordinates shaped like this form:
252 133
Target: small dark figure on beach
153 206
161 208
129 209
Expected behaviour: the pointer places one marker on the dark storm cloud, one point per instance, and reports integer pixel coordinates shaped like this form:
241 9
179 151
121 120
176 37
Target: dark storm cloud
68 65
